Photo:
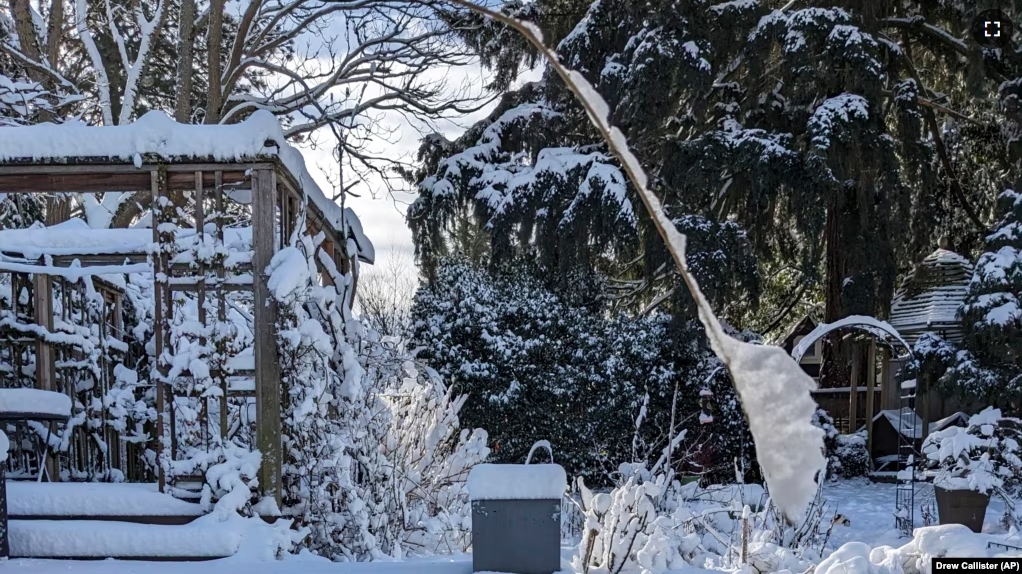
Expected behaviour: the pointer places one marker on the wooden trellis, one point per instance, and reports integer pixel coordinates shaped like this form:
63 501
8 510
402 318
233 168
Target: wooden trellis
276 206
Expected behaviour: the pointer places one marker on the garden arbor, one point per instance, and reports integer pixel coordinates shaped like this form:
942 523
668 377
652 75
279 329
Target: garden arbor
215 203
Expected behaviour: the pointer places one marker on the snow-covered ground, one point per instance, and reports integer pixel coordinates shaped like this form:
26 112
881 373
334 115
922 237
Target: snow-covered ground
868 507
440 565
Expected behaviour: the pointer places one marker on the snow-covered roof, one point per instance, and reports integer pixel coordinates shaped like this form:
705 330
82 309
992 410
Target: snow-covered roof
157 135
930 296
908 423
75 237
366 250
781 339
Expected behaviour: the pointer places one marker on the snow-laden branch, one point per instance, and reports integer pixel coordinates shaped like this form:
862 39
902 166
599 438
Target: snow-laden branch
773 388
98 68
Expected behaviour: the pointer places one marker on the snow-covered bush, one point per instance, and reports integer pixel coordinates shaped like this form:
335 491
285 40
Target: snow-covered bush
536 366
649 524
847 456
430 453
625 531
984 456
850 458
374 458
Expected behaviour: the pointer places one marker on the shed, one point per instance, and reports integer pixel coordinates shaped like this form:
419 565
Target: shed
888 424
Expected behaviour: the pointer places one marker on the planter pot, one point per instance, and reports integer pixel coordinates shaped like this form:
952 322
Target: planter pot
966 507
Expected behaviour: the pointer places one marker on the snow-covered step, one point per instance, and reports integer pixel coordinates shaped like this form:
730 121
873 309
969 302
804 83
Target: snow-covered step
84 539
125 502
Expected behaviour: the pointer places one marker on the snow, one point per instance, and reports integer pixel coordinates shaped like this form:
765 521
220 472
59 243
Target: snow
5 446
35 401
833 113
306 564
289 270
205 537
75 237
867 506
156 134
86 499
977 457
516 482
872 325
774 390
775 394
365 247
908 423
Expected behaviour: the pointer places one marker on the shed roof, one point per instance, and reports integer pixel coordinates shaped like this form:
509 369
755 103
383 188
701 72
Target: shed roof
931 295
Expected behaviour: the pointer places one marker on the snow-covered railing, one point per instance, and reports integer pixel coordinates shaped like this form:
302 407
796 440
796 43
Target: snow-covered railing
34 404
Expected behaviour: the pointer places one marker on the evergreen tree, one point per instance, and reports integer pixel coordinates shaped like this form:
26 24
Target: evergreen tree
992 313
537 366
783 122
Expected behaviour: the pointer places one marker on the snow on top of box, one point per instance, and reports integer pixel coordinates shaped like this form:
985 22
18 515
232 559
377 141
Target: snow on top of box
35 401
516 482
157 134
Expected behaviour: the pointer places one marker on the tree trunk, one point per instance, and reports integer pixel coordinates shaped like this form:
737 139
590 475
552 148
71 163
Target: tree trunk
214 38
186 63
58 210
834 370
131 209
27 38
55 32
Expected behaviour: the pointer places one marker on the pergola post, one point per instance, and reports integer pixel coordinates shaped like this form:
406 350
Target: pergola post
853 389
161 311
871 380
267 367
45 359
46 364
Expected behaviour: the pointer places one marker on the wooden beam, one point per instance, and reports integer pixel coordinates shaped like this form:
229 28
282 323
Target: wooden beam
221 301
104 180
267 365
84 183
156 184
45 357
871 380
108 259
853 384
149 165
923 395
191 180
46 370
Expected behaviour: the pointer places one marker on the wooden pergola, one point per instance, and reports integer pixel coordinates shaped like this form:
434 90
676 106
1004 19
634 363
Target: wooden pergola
278 205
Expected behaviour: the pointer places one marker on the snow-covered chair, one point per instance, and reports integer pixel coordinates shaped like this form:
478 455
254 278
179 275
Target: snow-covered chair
34 405
516 517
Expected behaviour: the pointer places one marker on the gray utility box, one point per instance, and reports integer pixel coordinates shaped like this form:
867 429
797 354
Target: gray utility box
516 518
